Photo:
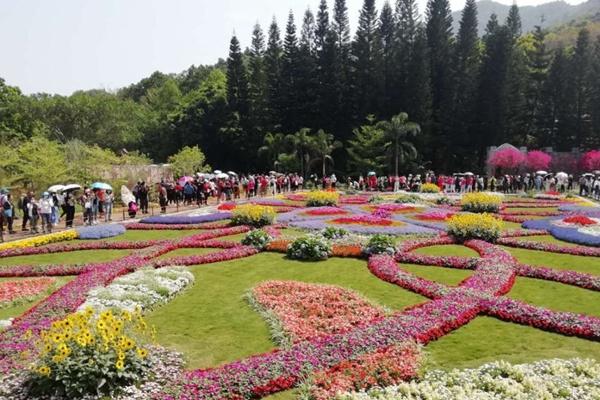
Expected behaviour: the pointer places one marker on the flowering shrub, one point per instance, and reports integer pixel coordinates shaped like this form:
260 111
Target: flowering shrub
474 226
100 231
320 198
547 379
480 202
380 244
325 211
538 160
579 220
40 240
142 289
253 215
590 161
332 233
387 366
298 311
14 292
430 188
310 247
86 354
510 159
257 238
407 198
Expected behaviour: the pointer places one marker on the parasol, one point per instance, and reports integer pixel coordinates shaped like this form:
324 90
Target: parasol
101 186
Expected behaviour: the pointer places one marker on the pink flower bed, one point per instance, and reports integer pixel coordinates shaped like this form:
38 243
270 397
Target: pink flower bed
310 310
435 215
364 220
176 227
11 291
550 247
325 211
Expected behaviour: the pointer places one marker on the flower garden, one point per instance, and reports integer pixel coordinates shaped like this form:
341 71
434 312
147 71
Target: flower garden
314 296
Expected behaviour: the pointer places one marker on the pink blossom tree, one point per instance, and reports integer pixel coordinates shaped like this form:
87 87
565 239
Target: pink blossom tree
538 160
506 159
590 161
564 162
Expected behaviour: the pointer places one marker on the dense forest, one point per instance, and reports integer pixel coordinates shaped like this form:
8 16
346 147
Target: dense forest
303 96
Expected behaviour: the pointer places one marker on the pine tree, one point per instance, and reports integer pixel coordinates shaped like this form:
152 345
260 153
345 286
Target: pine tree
366 61
491 98
307 73
339 39
581 70
237 80
273 58
257 85
387 45
467 62
289 78
439 39
538 62
322 28
513 21
407 23
326 74
594 141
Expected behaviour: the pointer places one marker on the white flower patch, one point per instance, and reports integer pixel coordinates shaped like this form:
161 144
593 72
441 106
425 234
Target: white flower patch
145 288
593 230
550 379
562 223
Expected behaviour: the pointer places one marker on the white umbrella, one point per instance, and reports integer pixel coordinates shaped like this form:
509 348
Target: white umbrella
222 176
71 187
469 173
232 173
218 171
56 188
562 175
541 173
371 173
126 195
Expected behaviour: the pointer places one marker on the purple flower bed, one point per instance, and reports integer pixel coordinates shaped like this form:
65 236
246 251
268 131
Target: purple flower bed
568 234
100 231
186 219
407 229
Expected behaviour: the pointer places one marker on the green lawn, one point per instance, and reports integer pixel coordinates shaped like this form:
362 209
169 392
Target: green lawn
448 250
546 239
73 257
446 276
189 252
211 323
590 265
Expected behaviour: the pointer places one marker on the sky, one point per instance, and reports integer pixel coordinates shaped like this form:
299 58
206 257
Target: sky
59 46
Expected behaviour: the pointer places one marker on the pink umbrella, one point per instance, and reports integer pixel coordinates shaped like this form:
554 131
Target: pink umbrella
182 181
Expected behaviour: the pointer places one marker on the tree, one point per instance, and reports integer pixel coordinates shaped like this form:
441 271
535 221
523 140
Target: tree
538 160
274 144
538 62
366 61
237 80
407 30
595 97
257 84
290 84
187 161
387 46
439 39
509 159
365 147
581 71
513 22
302 144
398 133
273 58
590 161
306 71
323 145
467 63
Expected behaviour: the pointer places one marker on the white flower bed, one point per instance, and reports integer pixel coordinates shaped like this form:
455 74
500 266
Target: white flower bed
550 379
145 288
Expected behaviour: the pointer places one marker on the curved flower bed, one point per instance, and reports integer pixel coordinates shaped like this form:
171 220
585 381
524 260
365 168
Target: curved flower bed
100 231
320 211
12 292
186 219
41 240
364 220
135 226
577 228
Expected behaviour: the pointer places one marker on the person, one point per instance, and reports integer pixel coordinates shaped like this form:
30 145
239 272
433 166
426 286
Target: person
8 212
109 199
46 204
132 209
86 202
25 200
143 194
69 209
162 198
32 212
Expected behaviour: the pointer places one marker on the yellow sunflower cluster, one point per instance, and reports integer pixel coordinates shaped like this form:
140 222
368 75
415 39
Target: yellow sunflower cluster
90 341
475 226
41 240
481 202
319 198
253 215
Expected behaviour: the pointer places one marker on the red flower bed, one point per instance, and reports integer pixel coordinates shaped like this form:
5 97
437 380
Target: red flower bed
579 220
226 206
11 291
325 211
387 366
363 220
278 245
347 250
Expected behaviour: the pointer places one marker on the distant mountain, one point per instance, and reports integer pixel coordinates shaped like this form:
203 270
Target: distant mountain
546 15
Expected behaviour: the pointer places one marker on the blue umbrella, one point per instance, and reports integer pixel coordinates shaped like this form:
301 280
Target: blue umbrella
101 186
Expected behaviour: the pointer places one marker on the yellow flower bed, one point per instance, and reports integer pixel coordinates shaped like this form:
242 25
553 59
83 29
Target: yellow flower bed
253 215
430 188
320 198
41 240
79 352
481 202
475 226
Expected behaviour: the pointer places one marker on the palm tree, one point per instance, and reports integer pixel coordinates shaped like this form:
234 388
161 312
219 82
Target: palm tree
302 142
323 145
397 133
274 144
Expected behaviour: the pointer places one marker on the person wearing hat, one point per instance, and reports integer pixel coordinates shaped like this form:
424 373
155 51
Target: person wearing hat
46 204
